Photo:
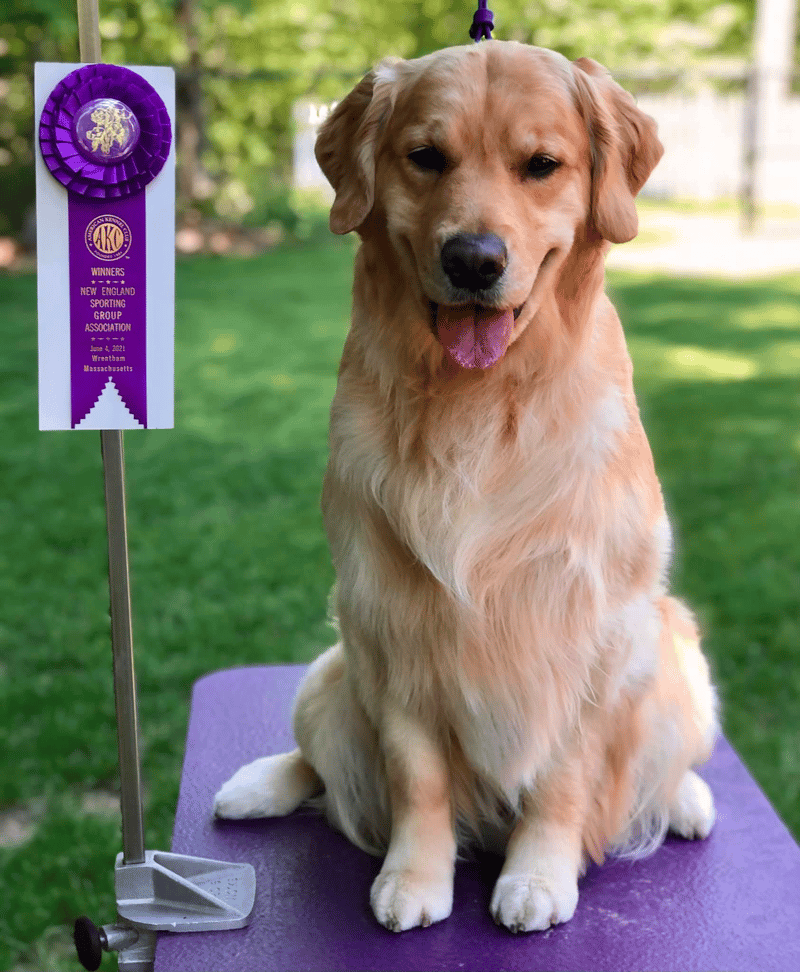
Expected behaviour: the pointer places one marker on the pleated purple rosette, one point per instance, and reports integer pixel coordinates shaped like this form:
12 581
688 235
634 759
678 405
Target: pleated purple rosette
90 174
105 134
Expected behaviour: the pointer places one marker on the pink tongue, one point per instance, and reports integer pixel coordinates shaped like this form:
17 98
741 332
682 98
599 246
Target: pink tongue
472 335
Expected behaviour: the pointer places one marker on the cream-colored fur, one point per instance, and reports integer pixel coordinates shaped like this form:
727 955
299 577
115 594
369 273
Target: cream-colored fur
511 668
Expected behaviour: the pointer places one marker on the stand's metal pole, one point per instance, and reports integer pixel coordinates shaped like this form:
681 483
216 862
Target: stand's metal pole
113 451
89 31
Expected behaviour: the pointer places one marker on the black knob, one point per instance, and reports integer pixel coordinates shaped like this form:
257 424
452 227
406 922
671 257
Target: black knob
87 943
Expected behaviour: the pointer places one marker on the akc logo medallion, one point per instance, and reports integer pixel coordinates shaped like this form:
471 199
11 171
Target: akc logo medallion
108 237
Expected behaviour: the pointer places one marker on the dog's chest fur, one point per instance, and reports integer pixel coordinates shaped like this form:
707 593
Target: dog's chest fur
518 644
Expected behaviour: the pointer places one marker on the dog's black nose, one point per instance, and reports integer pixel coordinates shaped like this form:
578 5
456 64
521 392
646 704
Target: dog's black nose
474 261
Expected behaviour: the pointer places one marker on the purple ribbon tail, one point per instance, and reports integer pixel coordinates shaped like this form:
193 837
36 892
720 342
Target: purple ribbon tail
108 302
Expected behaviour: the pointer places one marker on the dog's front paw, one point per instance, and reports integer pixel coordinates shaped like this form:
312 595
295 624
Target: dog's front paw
405 899
532 902
692 814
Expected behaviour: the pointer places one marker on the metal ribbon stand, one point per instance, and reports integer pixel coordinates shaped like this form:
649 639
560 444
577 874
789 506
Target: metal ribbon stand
155 891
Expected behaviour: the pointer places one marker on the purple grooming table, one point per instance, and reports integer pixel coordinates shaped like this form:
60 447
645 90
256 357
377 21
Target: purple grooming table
731 902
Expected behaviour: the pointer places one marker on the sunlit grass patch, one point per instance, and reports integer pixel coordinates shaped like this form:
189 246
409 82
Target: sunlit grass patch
766 316
224 343
696 362
682 362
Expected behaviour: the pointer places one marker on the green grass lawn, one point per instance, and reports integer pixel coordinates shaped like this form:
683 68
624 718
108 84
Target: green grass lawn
230 565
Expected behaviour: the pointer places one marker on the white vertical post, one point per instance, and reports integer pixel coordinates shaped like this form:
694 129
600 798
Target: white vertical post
773 46
773 53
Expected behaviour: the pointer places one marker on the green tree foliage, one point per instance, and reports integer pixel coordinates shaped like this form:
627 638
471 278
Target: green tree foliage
241 65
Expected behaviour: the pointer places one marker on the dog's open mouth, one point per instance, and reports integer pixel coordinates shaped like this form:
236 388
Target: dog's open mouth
473 335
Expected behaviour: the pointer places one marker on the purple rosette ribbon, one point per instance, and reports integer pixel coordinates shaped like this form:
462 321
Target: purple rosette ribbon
95 173
105 134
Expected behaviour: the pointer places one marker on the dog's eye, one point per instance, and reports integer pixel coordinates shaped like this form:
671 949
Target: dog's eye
541 166
428 158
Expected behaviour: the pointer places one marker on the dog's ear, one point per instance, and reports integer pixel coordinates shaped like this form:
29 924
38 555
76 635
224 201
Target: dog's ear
347 145
625 149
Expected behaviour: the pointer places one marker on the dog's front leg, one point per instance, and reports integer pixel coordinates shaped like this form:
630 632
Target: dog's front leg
538 886
415 885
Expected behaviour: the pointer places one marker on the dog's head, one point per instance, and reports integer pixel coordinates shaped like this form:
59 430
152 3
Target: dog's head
483 164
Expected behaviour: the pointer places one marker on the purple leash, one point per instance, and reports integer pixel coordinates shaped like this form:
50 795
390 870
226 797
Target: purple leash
482 23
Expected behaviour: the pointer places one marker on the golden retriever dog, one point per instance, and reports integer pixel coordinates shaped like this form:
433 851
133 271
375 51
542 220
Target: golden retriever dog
511 671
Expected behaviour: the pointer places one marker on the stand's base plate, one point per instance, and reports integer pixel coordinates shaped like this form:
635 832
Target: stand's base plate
178 893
